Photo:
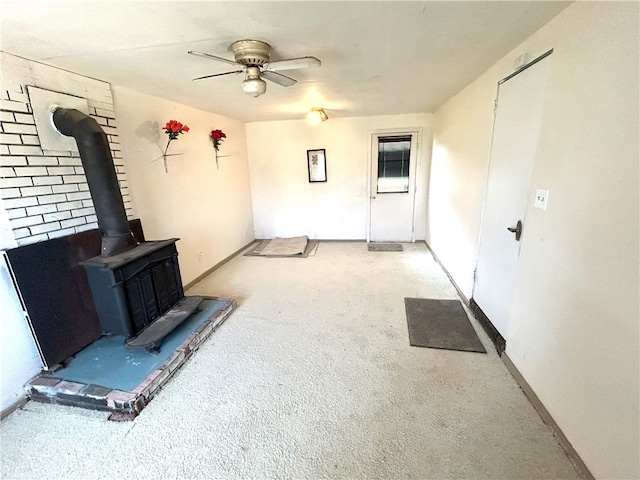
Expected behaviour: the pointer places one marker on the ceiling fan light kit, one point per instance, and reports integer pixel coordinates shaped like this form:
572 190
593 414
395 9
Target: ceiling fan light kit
253 58
253 84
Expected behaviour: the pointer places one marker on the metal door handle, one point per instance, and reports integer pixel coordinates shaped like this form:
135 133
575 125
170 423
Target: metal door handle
373 197
517 230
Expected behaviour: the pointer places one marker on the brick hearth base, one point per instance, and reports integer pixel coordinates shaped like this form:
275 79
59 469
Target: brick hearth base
57 387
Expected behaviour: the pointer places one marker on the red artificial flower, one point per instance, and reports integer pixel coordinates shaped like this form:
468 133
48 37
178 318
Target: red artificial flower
173 128
217 136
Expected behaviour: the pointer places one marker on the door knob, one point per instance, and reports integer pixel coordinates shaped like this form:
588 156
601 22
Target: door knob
373 197
517 230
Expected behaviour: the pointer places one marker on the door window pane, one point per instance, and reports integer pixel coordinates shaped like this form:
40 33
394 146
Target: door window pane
393 164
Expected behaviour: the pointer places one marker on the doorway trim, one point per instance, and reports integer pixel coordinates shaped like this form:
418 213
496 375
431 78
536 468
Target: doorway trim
522 69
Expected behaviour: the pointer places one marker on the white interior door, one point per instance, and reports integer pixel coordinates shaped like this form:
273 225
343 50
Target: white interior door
393 186
513 149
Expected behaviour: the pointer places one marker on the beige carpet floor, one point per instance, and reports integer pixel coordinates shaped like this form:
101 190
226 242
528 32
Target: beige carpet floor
312 377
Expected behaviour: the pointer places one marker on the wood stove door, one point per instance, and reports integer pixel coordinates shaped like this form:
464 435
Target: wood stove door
152 292
142 300
166 285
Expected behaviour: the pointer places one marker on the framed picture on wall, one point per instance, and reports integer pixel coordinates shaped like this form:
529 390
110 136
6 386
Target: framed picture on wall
317 165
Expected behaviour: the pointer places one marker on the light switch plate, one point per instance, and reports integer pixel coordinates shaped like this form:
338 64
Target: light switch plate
542 197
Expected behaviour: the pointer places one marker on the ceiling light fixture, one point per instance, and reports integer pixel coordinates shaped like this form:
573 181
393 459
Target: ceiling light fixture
317 115
253 84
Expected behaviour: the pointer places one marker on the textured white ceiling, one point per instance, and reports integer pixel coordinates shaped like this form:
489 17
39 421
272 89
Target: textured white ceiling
378 58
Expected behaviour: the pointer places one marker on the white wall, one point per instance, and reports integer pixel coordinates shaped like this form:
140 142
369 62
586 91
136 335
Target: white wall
573 329
208 208
19 358
286 204
461 142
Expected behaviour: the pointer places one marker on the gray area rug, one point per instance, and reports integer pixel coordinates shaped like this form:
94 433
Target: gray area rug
384 247
440 324
295 247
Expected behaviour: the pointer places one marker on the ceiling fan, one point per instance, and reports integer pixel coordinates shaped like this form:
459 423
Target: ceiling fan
253 58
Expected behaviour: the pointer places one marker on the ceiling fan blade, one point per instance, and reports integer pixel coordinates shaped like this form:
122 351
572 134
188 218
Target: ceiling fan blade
292 63
213 57
278 78
219 74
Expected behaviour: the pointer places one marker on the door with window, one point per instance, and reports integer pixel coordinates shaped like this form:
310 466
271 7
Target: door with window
393 170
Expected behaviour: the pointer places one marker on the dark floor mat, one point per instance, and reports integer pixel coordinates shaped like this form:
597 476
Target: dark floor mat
440 324
384 247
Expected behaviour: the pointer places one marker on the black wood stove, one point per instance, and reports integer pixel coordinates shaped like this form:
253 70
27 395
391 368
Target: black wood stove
78 287
133 284
133 289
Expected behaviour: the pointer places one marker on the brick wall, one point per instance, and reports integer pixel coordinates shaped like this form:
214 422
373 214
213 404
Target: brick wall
47 196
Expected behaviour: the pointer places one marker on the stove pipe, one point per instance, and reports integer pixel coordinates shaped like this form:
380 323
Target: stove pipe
97 161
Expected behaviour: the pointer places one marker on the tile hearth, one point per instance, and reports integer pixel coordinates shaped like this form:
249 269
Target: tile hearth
108 376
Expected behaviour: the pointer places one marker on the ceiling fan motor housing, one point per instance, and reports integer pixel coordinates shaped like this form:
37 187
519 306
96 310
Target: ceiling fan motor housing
251 52
253 58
